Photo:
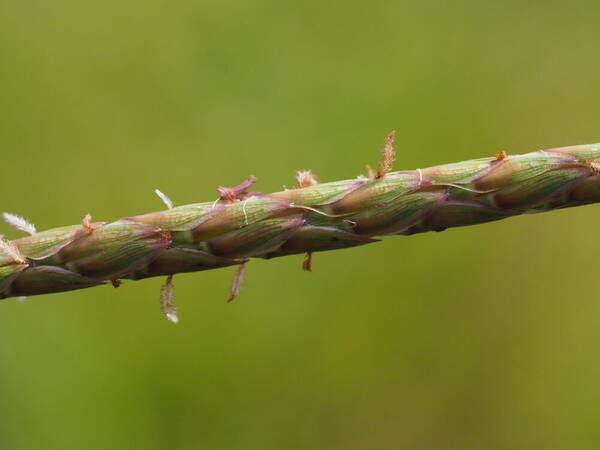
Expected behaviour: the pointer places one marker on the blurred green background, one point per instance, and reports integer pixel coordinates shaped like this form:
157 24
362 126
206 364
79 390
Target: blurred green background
476 338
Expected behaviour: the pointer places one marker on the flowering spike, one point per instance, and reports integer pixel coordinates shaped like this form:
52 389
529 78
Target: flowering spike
20 223
312 217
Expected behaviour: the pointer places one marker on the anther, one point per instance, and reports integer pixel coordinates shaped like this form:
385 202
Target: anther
167 300
307 263
87 224
388 156
236 283
501 156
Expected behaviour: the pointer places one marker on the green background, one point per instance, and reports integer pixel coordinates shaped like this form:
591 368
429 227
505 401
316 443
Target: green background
482 337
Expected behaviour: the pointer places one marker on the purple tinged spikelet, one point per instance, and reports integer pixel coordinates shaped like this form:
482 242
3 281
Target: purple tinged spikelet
180 218
255 239
461 172
233 216
320 194
537 191
520 168
380 191
47 243
397 216
113 251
